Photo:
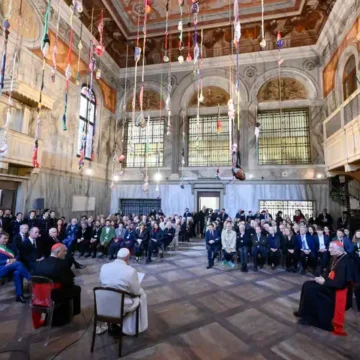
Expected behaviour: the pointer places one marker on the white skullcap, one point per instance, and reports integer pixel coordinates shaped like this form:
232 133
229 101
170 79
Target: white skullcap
123 253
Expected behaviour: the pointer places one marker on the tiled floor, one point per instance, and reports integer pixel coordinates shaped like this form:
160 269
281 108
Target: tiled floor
194 313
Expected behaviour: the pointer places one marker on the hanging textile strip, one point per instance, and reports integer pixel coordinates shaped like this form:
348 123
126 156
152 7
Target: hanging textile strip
6 26
136 58
169 89
146 180
182 155
200 67
140 121
100 47
45 44
195 11
180 28
122 156
166 57
68 71
237 36
189 58
55 49
80 47
280 44
263 41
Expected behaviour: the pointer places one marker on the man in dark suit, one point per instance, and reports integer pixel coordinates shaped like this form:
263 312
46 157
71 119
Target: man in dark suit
56 268
51 241
306 248
213 244
250 216
322 243
343 222
10 265
6 221
223 215
83 238
348 245
15 224
325 219
32 249
187 213
95 238
44 223
259 248
52 219
32 221
142 242
20 237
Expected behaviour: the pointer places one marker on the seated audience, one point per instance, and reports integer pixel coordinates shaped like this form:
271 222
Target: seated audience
20 237
322 243
142 243
259 248
289 250
228 243
118 274
325 219
343 221
51 241
106 237
298 217
56 268
320 298
70 234
32 221
10 265
356 257
61 229
213 244
156 236
274 248
116 244
95 237
83 239
32 249
15 224
348 245
43 223
243 244
307 249
168 235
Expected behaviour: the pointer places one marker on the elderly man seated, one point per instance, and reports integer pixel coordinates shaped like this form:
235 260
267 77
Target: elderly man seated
323 302
228 242
118 274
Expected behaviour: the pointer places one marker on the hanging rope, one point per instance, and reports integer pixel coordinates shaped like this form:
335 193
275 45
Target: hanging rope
45 44
166 56
168 99
68 71
237 37
55 49
182 156
80 47
146 179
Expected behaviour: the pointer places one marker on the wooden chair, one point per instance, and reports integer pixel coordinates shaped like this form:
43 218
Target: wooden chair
109 308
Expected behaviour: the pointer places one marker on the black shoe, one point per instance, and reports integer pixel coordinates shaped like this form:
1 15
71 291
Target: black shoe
296 313
161 255
79 266
255 268
242 268
22 299
288 269
87 255
148 261
303 272
245 268
209 266
93 256
303 322
294 270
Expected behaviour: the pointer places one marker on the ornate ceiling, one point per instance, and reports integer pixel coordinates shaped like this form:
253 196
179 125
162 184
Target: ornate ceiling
300 23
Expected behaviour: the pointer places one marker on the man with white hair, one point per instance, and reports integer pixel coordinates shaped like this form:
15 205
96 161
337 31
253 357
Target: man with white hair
118 274
323 302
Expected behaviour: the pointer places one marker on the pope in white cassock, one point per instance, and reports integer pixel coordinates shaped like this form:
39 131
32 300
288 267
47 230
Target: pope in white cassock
120 275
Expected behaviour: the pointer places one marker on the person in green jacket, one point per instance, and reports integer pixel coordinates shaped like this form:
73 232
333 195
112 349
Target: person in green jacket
106 237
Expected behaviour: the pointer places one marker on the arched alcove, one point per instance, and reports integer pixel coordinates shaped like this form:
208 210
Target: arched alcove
213 96
285 89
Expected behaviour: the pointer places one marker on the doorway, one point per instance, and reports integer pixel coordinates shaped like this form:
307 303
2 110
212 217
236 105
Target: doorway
209 199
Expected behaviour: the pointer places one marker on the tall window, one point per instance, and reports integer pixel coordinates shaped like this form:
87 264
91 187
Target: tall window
207 146
137 139
284 137
287 207
349 77
86 122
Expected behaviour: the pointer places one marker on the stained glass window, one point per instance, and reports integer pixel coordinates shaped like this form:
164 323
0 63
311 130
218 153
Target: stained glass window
207 146
136 139
284 137
288 207
86 122
349 77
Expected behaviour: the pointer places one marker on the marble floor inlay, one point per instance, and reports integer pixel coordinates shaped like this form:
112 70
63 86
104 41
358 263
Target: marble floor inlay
194 314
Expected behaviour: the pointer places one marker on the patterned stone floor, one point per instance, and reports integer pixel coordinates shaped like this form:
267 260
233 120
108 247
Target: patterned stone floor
194 313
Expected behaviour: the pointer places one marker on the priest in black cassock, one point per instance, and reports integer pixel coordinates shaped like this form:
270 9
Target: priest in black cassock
323 302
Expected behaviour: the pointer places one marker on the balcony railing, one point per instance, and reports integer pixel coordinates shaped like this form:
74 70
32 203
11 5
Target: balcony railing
19 149
342 135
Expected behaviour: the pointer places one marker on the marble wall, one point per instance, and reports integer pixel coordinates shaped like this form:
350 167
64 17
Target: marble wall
234 196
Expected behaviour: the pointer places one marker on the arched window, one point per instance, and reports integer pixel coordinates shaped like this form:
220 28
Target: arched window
86 122
349 77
